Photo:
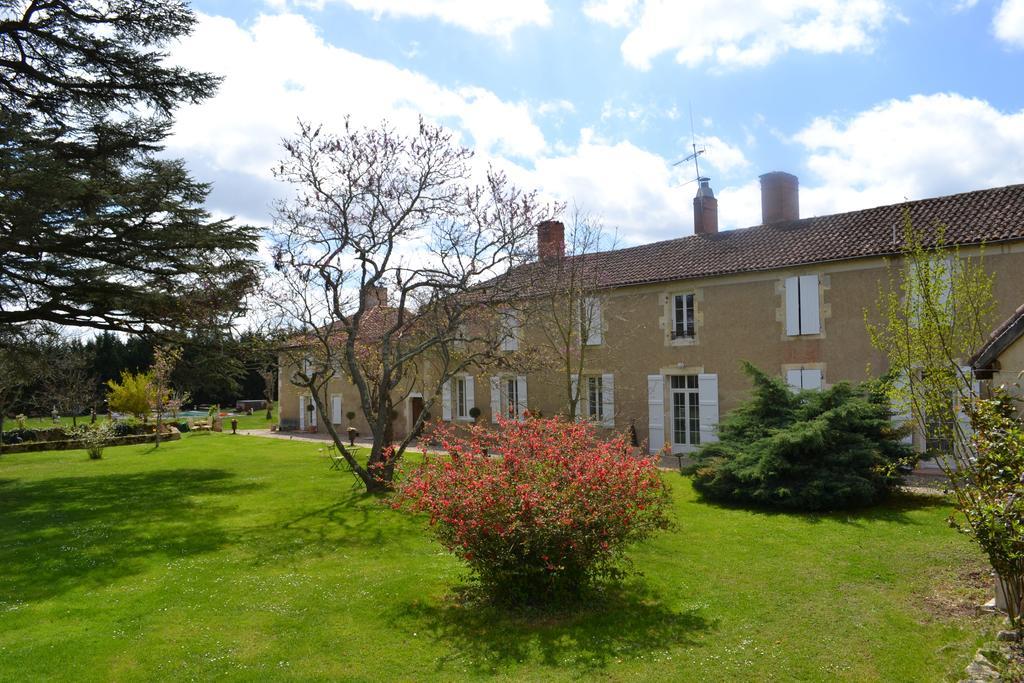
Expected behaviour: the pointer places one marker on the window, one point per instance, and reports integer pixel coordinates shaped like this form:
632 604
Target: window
802 305
509 331
683 326
803 379
595 399
685 410
461 408
510 398
591 322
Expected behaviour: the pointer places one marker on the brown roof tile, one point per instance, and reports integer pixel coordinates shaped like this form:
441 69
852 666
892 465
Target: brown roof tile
992 215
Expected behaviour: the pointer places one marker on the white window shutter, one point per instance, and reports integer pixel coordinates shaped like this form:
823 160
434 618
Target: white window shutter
608 400
521 390
810 321
446 401
312 416
495 398
470 393
592 308
574 386
655 412
302 412
810 379
792 306
707 396
336 409
794 379
901 415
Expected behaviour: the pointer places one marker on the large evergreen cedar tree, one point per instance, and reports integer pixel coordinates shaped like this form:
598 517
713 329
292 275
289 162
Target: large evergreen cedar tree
546 520
96 229
374 209
812 450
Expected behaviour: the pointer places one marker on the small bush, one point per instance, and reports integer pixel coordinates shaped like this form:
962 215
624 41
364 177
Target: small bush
95 438
128 427
813 450
20 435
550 517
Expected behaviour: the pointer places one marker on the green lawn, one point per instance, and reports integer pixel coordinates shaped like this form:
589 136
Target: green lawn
244 558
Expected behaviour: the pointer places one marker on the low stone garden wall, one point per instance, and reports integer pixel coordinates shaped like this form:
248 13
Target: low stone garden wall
70 444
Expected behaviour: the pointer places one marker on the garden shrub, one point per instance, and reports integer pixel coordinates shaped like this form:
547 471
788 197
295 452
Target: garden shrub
95 438
812 450
129 427
995 518
546 520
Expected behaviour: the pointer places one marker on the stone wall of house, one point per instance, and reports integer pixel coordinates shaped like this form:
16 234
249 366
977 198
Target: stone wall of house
738 317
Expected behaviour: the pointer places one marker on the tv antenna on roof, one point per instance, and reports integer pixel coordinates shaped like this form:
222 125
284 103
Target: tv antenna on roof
695 155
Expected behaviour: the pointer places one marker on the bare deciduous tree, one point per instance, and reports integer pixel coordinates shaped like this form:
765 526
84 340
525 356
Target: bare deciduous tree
68 382
568 311
387 257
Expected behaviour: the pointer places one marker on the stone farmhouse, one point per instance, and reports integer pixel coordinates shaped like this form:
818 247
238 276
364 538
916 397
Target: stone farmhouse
675 318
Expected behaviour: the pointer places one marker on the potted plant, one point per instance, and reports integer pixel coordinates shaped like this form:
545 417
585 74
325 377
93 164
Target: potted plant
474 413
310 427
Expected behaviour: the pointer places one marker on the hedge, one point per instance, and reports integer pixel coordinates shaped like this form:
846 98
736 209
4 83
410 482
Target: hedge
71 444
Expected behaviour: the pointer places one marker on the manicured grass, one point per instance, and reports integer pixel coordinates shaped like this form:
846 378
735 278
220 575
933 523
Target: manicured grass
245 558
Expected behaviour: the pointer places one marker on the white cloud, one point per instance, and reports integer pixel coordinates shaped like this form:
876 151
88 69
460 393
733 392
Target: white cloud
924 146
635 192
738 33
486 17
1008 23
722 156
611 12
631 189
555 107
280 69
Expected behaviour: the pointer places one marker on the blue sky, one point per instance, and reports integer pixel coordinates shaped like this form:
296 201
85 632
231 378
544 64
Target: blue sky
868 102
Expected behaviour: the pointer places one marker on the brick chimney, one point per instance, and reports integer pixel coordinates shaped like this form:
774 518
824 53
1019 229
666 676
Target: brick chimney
780 197
550 240
375 297
705 209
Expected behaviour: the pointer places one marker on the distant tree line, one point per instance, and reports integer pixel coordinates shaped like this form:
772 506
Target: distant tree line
71 375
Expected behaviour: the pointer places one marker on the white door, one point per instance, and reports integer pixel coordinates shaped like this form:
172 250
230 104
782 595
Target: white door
336 409
685 413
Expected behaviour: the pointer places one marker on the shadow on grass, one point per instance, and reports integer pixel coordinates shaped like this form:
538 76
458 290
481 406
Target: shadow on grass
895 509
58 534
621 623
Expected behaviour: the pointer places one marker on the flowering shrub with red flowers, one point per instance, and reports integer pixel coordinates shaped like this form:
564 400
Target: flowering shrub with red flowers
538 509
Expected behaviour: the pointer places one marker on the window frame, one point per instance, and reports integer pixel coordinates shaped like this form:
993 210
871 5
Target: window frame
691 409
460 399
690 316
595 398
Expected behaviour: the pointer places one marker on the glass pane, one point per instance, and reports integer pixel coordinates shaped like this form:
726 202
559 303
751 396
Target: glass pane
678 381
694 419
679 417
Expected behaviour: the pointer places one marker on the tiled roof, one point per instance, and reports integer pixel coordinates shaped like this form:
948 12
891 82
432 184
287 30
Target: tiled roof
992 215
1002 337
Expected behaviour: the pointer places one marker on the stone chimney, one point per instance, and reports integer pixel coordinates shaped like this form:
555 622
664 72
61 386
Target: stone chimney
375 297
705 209
780 197
550 240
